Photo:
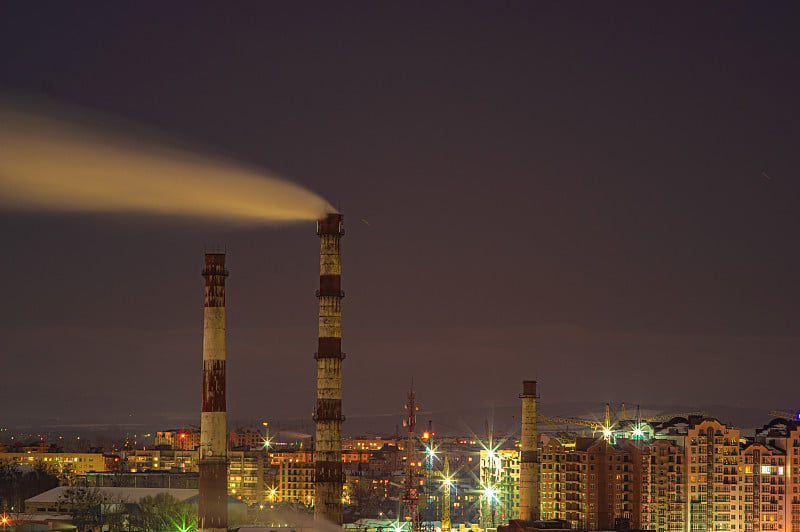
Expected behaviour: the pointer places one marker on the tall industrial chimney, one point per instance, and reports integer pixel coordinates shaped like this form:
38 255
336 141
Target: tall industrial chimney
213 504
328 416
529 456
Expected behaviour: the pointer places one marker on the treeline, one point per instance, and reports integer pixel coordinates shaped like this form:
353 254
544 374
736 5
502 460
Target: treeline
19 483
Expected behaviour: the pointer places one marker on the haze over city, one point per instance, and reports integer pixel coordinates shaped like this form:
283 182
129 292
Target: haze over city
600 197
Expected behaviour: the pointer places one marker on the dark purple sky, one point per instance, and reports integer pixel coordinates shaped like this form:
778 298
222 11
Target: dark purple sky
571 192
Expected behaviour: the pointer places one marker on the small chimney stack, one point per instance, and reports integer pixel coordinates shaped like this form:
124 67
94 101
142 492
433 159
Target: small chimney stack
529 456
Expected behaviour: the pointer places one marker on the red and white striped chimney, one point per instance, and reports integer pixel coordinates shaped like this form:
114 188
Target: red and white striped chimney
328 416
213 504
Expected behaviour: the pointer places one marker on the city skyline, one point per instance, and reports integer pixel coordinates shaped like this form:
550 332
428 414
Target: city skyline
601 199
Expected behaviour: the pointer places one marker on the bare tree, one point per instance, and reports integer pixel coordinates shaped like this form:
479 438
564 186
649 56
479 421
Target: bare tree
83 504
116 514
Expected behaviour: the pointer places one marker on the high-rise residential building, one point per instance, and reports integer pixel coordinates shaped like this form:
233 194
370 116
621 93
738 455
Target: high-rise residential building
246 476
784 434
499 479
614 492
553 479
295 482
663 487
764 487
574 478
714 489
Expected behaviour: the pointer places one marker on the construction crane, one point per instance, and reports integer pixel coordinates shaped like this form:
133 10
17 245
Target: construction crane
784 414
667 417
569 421
446 483
603 426
606 426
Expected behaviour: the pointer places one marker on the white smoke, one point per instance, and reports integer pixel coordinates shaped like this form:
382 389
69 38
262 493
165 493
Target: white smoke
51 163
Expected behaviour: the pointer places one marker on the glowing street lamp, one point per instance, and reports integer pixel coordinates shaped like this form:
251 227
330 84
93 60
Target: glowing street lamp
430 453
490 493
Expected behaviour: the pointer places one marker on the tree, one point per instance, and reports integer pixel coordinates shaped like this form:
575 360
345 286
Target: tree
115 514
18 483
161 512
83 504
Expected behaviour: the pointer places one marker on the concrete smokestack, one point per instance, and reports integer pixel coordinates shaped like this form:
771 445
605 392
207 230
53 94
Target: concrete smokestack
328 416
213 504
529 456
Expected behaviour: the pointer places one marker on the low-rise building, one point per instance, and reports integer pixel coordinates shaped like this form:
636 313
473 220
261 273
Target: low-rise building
162 460
64 465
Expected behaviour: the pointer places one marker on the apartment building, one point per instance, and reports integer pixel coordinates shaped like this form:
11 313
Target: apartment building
554 486
295 482
162 460
499 479
64 465
764 487
663 487
715 492
179 439
246 476
784 435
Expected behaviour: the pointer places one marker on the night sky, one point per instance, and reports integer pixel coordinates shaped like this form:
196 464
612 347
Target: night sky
599 196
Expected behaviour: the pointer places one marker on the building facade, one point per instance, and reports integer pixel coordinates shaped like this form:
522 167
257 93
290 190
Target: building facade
64 465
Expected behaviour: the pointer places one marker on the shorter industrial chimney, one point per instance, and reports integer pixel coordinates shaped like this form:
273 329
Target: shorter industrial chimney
529 456
213 503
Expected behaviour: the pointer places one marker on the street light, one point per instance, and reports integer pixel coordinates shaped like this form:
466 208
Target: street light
490 492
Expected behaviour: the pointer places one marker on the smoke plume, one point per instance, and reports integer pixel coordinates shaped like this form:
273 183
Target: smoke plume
49 162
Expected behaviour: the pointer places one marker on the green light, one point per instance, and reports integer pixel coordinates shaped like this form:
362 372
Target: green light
430 452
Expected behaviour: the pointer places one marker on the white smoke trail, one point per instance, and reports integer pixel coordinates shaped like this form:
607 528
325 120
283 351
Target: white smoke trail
49 163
